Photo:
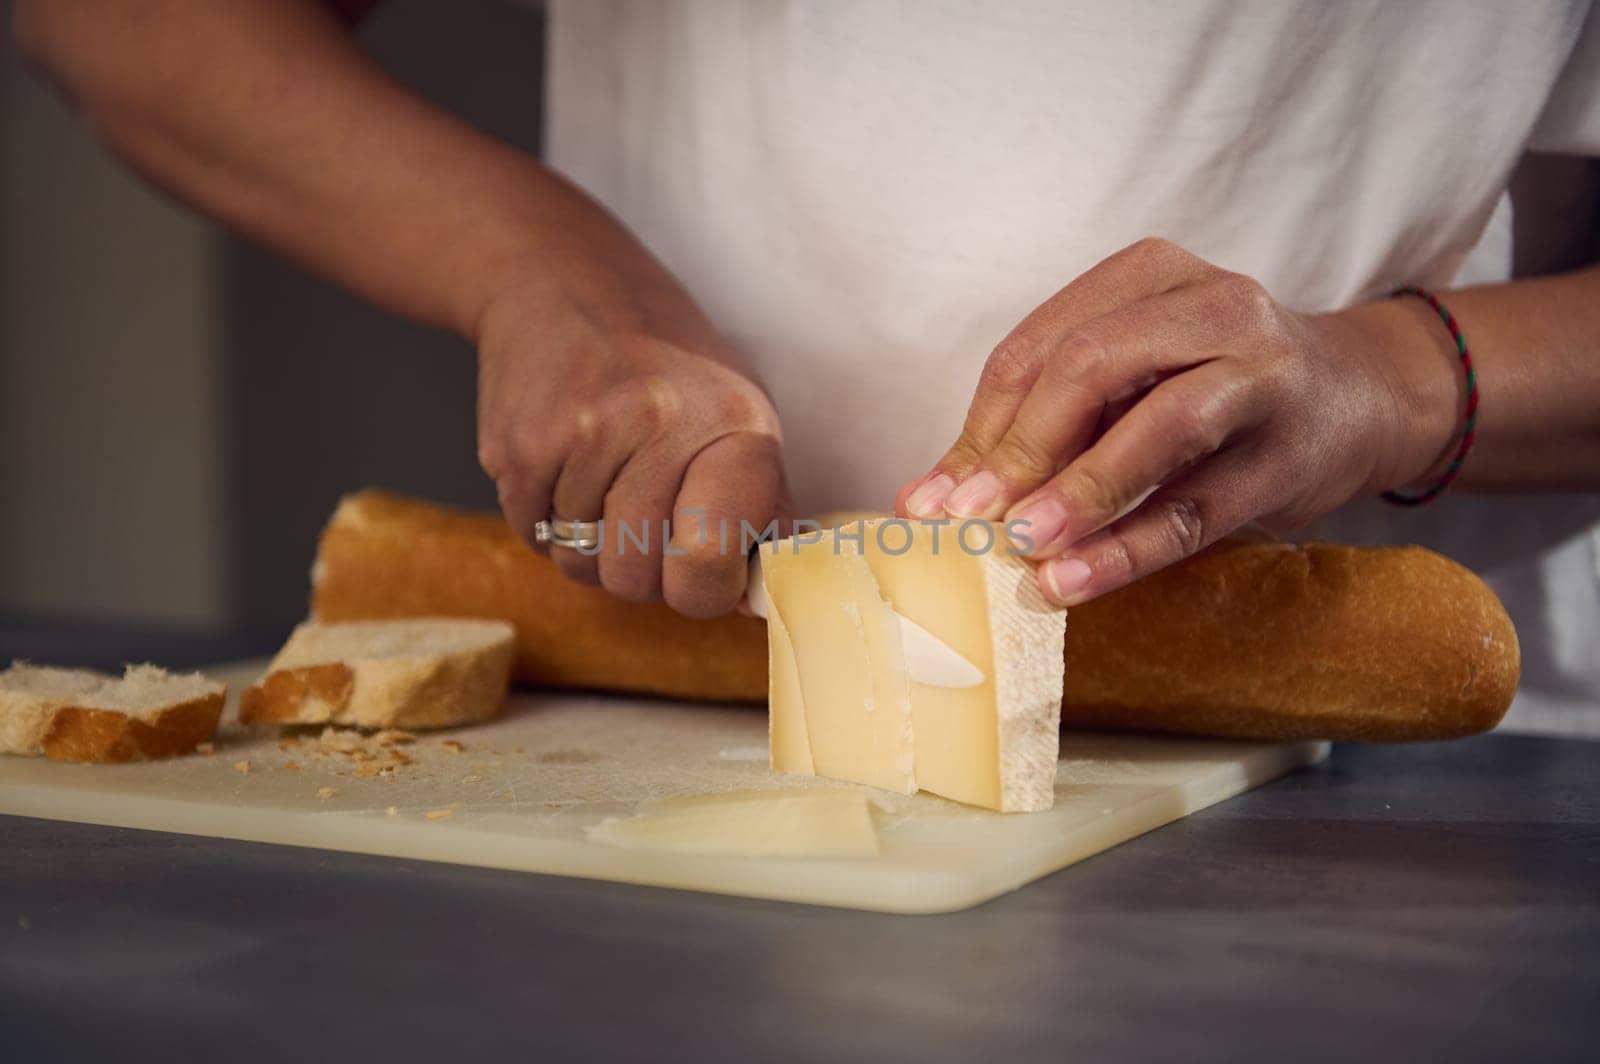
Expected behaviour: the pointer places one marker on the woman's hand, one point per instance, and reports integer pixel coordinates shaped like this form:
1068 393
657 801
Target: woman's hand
604 393
631 410
1158 403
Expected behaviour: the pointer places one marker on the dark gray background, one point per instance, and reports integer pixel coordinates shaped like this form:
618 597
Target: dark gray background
180 410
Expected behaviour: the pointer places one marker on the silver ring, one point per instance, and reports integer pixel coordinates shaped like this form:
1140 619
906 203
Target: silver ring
575 535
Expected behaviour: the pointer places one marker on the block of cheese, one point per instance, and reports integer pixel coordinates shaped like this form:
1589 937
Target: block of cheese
842 704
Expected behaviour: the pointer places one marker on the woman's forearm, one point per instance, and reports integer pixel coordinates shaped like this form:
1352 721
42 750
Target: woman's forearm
1536 348
266 115
604 392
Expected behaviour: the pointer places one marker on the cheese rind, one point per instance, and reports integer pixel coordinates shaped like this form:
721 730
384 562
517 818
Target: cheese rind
1029 635
993 745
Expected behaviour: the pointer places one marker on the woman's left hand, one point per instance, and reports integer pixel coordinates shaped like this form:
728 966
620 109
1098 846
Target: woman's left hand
1158 403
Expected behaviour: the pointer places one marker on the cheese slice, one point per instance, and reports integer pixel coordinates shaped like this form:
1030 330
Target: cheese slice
787 737
849 673
826 822
992 745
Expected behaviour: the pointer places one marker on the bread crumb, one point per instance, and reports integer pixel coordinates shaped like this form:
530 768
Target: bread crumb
516 749
400 757
242 767
291 766
326 792
339 740
206 749
288 742
367 772
438 814
393 810
452 745
394 737
472 779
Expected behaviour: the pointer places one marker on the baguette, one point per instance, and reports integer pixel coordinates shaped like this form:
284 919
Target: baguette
385 556
1283 641
80 715
418 673
1246 640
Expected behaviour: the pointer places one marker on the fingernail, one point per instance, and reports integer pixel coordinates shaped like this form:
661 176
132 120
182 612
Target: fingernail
1065 579
973 496
928 500
1038 524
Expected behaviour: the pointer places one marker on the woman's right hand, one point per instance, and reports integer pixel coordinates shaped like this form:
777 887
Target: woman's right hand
603 391
632 411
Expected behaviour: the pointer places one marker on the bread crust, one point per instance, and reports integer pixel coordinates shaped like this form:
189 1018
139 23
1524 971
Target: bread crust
427 690
1246 640
81 733
313 694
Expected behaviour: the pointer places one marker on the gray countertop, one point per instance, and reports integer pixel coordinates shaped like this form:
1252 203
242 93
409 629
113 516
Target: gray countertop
1412 903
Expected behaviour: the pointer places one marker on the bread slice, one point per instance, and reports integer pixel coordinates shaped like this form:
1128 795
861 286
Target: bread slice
429 672
80 715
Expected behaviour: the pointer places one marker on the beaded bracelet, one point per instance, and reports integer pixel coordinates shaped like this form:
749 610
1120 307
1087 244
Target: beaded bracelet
1470 427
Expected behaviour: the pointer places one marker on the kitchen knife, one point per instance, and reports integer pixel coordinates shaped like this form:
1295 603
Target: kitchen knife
929 659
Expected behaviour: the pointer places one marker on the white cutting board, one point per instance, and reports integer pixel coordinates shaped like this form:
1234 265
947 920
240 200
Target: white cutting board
522 790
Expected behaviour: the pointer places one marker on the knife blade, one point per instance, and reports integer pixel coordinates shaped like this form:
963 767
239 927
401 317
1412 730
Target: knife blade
929 659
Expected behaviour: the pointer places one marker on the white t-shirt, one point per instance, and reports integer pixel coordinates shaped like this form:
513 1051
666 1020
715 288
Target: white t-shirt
866 196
